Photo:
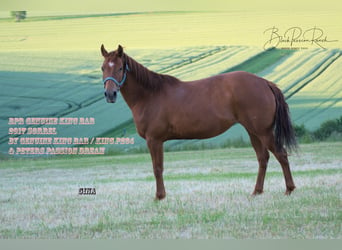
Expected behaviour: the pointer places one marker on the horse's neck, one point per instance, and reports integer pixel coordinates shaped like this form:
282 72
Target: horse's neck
133 92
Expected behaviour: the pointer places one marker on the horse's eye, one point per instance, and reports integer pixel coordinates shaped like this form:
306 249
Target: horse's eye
102 68
120 69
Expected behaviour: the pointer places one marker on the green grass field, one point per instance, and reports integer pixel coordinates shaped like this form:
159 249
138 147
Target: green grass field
208 196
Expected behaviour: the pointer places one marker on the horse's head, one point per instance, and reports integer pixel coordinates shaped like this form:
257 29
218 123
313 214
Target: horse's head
114 72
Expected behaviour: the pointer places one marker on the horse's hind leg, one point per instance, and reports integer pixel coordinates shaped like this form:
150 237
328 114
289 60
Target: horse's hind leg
284 162
282 158
263 157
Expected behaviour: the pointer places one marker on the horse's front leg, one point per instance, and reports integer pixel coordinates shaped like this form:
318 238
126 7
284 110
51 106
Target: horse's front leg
156 151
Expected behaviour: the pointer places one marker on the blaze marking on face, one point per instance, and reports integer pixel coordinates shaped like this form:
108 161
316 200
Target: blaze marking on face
111 64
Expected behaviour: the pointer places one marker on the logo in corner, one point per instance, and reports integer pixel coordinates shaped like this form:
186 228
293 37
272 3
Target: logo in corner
296 38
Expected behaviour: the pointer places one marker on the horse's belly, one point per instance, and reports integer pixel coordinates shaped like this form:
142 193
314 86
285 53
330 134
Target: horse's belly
199 129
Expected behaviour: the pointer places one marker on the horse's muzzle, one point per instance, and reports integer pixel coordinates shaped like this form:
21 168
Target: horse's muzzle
110 97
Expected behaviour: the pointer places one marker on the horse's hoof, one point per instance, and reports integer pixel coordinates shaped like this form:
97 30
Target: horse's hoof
160 196
289 190
257 192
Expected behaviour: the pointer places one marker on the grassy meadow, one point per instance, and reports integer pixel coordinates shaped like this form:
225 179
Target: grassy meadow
208 196
50 67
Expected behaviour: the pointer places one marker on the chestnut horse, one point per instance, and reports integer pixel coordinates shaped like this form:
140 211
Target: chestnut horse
166 108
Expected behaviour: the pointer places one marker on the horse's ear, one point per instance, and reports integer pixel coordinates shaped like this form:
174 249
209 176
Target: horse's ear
104 51
120 50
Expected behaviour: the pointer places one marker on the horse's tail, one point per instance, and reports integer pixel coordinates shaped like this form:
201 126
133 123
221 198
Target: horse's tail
283 130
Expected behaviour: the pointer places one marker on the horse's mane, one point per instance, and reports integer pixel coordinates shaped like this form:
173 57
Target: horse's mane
147 78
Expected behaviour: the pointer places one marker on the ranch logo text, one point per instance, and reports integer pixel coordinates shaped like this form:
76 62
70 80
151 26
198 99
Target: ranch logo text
296 38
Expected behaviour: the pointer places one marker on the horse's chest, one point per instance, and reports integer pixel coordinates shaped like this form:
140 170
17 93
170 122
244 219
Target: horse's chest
142 119
151 121
139 124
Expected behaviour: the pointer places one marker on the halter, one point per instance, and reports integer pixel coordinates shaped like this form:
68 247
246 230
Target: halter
117 83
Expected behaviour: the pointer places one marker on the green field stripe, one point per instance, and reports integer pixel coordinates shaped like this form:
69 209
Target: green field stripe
323 96
228 176
200 63
125 129
314 73
233 175
261 61
216 63
314 113
192 59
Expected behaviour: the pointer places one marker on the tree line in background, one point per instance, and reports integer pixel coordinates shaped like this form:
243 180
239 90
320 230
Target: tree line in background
18 15
330 130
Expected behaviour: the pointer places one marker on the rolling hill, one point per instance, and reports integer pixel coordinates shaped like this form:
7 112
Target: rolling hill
40 80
